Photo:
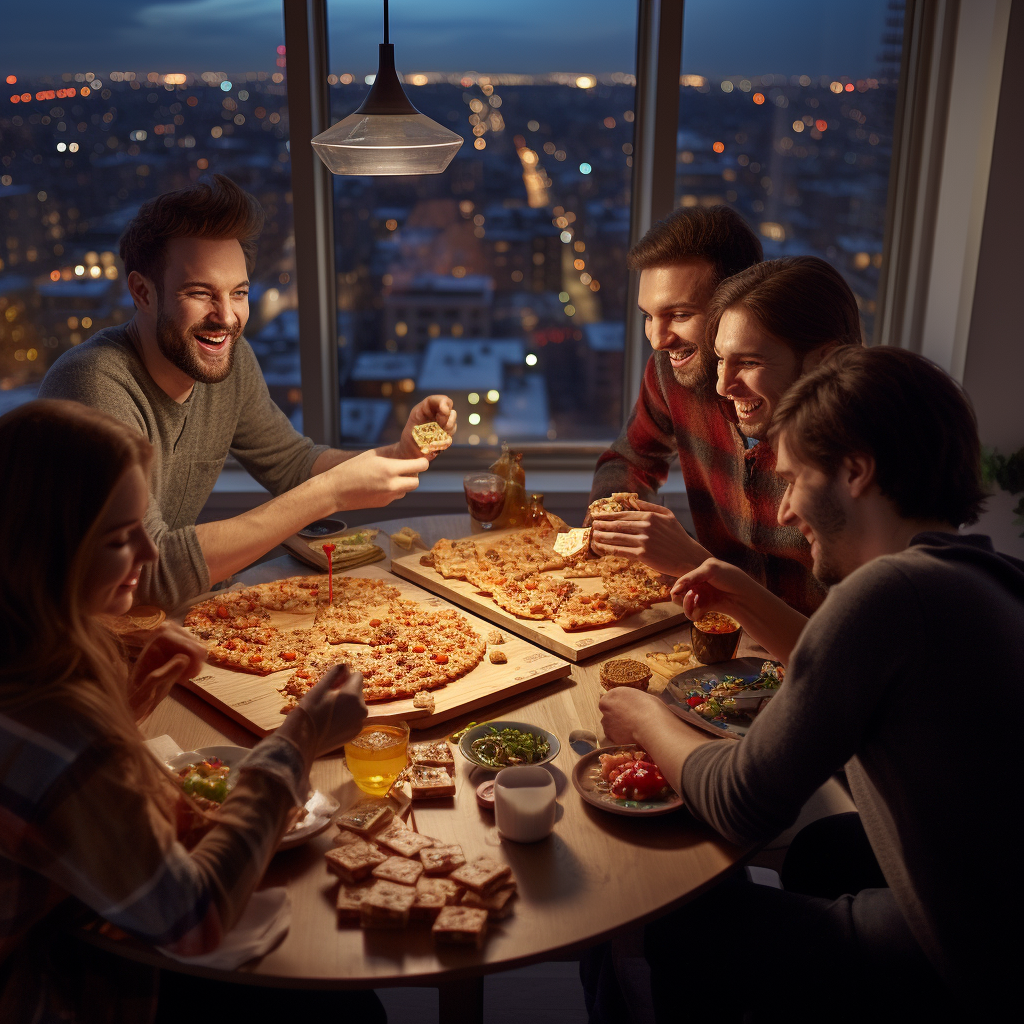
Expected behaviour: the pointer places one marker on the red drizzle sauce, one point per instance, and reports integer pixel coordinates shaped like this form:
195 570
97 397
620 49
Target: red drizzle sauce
329 552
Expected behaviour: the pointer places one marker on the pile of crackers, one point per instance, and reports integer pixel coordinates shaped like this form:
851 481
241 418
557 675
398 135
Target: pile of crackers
393 877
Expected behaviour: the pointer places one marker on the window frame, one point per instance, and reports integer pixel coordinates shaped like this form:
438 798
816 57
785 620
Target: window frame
920 152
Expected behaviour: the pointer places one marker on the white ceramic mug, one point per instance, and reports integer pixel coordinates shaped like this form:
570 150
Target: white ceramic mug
524 803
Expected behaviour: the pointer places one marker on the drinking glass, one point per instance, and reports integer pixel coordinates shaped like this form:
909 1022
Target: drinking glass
377 756
485 497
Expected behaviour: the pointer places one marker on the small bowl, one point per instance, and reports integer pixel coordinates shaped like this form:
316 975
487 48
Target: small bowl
709 648
478 731
323 528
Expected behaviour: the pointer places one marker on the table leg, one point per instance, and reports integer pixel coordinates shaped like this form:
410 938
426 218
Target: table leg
461 1002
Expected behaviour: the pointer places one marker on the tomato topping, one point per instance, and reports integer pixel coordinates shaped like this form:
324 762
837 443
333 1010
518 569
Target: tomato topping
374 622
222 612
441 659
640 781
530 585
289 655
230 644
419 648
256 657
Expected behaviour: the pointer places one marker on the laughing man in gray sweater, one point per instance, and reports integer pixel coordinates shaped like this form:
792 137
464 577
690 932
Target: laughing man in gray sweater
922 630
183 375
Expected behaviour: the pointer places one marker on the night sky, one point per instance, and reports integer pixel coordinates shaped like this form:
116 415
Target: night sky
721 37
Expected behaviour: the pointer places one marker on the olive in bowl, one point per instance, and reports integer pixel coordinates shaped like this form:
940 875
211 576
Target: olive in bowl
714 638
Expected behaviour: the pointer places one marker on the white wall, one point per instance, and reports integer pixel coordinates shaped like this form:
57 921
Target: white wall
994 366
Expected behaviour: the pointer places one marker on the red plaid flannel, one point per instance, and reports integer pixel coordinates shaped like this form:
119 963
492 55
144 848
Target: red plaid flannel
733 491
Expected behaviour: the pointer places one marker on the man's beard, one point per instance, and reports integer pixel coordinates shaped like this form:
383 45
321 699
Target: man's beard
829 520
695 375
180 348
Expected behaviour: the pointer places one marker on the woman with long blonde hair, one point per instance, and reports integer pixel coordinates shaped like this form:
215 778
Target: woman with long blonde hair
85 810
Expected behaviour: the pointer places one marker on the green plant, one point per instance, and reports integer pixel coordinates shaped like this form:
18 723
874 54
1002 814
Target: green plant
1006 472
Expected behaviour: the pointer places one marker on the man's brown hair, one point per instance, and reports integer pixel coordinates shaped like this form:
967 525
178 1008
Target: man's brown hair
903 411
716 234
801 300
216 208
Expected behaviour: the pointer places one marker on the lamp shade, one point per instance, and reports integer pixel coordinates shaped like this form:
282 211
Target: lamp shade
387 134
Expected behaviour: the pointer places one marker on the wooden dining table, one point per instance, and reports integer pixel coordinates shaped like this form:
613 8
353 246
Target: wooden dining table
597 874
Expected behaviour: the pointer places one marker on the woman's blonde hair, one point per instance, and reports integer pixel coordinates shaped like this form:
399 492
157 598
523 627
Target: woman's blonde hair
60 462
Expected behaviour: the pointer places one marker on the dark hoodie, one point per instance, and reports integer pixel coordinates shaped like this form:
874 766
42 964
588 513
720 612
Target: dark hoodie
913 672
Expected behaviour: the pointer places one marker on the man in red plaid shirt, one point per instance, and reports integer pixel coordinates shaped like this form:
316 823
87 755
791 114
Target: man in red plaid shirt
762 342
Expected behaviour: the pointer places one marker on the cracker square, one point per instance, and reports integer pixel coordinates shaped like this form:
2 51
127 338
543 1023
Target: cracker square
430 783
497 904
401 840
460 926
399 869
350 898
483 875
431 437
437 754
426 906
451 891
439 860
386 905
354 861
366 817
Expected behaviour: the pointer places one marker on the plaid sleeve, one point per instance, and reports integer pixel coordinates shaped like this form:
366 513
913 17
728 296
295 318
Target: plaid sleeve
71 816
640 457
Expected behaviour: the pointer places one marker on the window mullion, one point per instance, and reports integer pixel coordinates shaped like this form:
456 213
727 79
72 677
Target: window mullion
305 27
659 47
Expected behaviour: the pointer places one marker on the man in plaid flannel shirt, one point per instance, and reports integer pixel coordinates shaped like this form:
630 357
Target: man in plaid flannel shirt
731 485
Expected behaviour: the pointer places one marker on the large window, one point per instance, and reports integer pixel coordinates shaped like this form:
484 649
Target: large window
790 120
501 282
91 127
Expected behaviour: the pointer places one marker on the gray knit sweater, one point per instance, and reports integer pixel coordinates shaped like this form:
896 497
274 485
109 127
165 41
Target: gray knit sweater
191 439
912 672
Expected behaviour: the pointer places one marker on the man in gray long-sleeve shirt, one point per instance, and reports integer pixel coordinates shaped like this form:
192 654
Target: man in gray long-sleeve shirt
183 375
879 452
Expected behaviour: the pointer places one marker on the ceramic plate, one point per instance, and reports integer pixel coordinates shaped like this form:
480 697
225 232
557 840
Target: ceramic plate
479 731
704 679
586 777
320 808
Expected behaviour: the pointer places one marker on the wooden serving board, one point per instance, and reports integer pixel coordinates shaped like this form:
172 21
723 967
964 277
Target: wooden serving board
575 645
255 703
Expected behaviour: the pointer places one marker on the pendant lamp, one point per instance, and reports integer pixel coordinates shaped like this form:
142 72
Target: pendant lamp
387 134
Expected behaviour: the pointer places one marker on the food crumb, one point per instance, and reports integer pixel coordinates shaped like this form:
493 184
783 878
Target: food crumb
498 657
495 637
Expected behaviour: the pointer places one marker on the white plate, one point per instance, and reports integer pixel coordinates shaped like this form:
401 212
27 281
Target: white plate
320 808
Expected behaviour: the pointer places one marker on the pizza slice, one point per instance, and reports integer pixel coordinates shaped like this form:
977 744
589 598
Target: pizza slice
620 501
536 597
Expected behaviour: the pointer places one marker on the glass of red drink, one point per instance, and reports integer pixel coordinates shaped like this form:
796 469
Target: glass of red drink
485 497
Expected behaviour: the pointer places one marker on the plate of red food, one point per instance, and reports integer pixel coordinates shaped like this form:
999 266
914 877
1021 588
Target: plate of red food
623 780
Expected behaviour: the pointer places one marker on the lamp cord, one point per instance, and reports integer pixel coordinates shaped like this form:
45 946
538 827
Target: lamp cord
386 39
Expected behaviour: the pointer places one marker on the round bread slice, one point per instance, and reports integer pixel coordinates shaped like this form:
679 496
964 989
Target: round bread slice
625 672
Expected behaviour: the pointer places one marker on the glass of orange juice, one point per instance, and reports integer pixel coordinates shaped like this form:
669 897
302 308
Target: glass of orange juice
377 756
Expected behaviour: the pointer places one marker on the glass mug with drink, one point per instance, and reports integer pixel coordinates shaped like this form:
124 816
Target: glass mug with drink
377 756
485 496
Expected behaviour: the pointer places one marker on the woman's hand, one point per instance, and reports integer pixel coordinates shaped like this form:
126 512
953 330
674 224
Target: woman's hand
172 656
330 714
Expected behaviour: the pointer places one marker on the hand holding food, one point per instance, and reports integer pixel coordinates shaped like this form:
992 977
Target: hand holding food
714 586
437 409
623 710
172 656
334 713
371 480
649 533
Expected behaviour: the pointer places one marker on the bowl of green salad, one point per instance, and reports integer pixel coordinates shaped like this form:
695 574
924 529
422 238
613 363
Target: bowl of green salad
497 745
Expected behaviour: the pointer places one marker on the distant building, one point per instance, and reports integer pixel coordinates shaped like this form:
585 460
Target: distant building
433 306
